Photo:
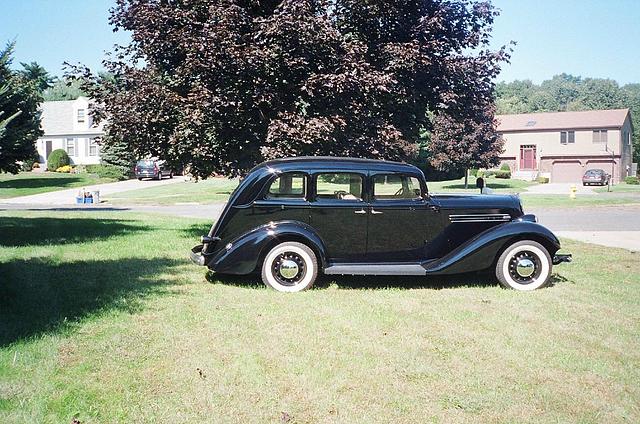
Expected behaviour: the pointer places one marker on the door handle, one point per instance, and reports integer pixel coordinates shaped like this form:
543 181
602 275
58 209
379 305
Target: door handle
375 212
434 208
360 212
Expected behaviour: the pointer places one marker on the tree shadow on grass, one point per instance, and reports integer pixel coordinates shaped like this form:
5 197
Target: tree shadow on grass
41 296
377 282
38 182
196 230
370 282
20 231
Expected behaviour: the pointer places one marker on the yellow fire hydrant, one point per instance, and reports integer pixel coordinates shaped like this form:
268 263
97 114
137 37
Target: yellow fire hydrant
572 193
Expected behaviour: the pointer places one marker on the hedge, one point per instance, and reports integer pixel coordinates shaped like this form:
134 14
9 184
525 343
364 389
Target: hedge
632 180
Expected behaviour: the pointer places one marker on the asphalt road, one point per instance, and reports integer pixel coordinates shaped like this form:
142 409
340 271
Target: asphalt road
613 226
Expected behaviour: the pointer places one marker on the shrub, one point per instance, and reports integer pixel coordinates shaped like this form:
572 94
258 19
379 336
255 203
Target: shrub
57 159
107 171
543 180
505 167
80 169
64 169
505 175
632 180
27 165
473 172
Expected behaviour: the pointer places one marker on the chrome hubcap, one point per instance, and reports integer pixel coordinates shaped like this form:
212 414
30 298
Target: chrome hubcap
288 268
525 267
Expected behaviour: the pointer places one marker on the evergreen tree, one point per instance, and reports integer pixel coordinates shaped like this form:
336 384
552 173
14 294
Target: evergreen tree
19 115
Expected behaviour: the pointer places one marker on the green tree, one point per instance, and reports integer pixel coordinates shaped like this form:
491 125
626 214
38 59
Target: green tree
114 151
19 115
36 73
63 89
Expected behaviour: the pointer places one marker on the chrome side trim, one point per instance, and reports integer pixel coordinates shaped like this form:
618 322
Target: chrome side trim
481 217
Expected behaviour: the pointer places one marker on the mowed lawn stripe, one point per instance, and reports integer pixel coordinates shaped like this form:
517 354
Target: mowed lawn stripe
150 337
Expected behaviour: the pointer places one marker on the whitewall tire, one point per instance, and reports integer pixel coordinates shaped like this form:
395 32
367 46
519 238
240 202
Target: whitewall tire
290 267
525 265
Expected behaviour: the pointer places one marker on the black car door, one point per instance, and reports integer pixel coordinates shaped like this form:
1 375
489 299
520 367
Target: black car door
401 221
339 214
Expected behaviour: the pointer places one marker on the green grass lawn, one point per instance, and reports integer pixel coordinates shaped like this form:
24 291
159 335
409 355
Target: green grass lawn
26 183
496 184
104 319
621 188
204 191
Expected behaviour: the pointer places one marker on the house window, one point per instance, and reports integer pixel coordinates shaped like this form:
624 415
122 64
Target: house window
81 115
71 145
599 136
93 147
567 137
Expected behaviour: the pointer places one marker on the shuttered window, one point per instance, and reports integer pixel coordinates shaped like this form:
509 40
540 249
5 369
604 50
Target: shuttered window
599 136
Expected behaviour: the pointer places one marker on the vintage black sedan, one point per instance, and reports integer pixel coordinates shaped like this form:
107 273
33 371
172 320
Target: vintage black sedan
292 219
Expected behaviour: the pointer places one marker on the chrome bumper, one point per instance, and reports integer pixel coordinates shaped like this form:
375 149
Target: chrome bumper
558 259
196 255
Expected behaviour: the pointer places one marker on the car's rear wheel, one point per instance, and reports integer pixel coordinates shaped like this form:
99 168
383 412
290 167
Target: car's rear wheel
524 265
290 267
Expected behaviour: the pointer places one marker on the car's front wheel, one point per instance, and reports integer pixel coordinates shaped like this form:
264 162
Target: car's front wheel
524 265
290 267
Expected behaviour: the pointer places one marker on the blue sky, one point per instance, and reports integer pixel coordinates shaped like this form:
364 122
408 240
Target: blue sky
595 38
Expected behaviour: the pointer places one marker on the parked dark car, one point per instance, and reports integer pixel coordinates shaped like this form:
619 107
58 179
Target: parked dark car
595 176
293 219
152 168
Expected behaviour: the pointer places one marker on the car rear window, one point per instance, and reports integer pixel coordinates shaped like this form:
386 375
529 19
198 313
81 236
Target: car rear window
290 185
145 163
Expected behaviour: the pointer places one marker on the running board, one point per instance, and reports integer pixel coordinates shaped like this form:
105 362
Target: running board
375 269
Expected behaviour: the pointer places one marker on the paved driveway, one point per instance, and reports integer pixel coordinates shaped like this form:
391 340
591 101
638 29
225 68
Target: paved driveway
68 197
559 188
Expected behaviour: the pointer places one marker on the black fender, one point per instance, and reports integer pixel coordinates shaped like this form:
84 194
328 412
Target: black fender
243 255
480 252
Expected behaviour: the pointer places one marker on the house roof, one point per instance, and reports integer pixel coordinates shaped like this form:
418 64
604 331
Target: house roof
613 118
58 118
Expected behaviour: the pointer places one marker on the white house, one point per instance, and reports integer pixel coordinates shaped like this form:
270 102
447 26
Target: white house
67 125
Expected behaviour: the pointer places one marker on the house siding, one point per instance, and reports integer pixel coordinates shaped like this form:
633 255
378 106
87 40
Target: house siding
60 122
614 156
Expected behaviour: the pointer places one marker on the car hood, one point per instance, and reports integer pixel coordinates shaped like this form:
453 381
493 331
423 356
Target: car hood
481 203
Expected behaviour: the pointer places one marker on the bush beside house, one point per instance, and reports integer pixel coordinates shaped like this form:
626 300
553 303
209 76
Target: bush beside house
57 159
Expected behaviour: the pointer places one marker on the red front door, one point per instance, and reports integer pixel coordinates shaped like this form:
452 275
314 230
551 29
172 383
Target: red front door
527 157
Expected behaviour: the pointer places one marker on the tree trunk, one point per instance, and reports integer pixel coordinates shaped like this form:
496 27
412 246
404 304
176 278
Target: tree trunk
466 179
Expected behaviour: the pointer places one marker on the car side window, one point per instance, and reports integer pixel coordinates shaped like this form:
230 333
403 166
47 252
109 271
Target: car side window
394 187
289 185
340 186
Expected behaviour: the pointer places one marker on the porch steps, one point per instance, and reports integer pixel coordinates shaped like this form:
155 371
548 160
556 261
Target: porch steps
525 175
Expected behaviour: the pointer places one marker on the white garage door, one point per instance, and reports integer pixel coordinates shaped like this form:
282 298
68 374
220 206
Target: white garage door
566 172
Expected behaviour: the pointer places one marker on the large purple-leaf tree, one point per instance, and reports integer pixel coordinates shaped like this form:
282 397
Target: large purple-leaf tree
222 85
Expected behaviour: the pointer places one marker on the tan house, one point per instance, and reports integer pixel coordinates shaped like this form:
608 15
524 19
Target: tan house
563 145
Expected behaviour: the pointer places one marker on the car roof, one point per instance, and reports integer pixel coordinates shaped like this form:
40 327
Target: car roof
314 162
